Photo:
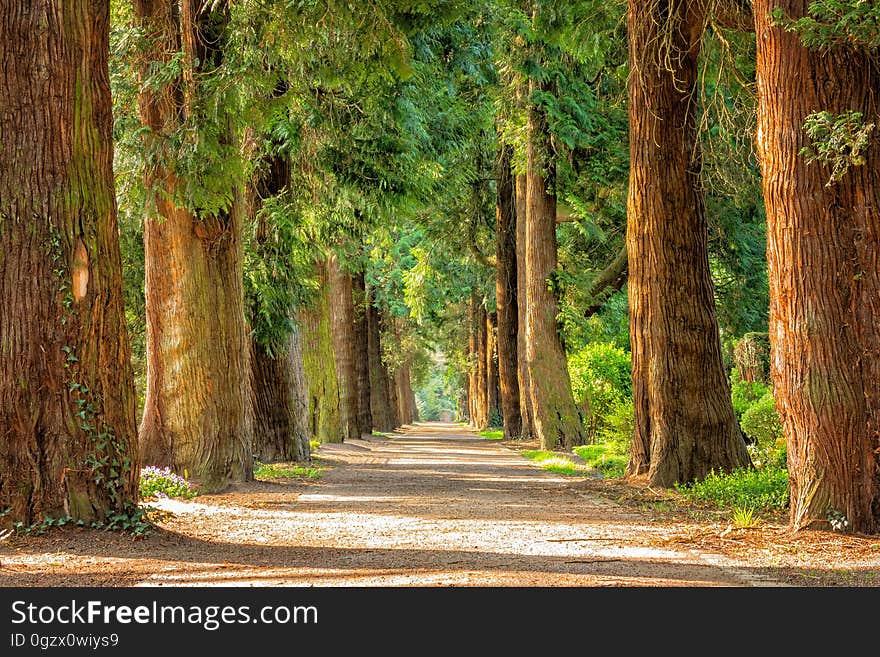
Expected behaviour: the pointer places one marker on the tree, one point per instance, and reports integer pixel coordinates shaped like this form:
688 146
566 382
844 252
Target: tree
684 421
822 195
557 420
342 322
67 401
506 295
196 412
362 353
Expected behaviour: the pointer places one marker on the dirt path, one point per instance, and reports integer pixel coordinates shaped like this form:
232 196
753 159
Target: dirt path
431 505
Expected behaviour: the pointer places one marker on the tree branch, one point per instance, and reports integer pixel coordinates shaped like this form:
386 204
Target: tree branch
609 281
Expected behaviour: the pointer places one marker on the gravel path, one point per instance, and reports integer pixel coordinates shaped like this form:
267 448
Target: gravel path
431 505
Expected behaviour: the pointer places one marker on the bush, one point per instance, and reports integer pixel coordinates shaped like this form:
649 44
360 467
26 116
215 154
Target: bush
763 490
745 393
161 482
600 380
761 421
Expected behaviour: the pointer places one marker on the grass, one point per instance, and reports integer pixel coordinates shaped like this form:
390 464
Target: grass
607 458
744 517
557 463
492 434
265 471
765 489
314 445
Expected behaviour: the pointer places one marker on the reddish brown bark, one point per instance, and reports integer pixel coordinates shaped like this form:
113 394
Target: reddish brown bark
67 400
823 256
493 388
522 364
506 280
343 324
362 353
197 415
684 421
380 401
556 419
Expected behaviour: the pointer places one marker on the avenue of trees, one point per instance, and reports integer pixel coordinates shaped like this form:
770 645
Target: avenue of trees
231 228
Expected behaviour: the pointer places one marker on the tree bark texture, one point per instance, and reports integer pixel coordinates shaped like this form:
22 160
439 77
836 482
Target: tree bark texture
522 363
362 353
556 417
280 399
342 323
197 414
823 256
380 401
505 295
67 400
684 421
319 364
493 388
279 396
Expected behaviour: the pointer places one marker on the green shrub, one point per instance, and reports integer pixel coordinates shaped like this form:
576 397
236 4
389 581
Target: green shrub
761 421
161 482
600 378
745 393
764 489
619 423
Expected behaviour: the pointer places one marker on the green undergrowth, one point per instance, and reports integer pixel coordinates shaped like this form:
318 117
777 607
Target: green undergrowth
314 445
557 463
268 471
492 434
761 490
608 458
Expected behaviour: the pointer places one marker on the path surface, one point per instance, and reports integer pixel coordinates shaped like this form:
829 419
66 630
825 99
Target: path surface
431 505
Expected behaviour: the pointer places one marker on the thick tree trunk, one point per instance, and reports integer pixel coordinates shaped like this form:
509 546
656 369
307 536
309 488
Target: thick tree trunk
67 400
493 389
280 399
197 411
342 324
505 296
279 396
319 364
522 364
823 257
557 420
362 354
380 402
684 420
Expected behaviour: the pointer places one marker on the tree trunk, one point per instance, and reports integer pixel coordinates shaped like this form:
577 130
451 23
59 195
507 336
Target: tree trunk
505 296
823 257
197 415
557 421
493 389
280 399
319 364
362 353
481 389
684 421
380 402
342 324
522 364
67 400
